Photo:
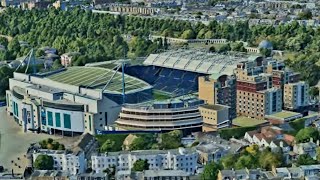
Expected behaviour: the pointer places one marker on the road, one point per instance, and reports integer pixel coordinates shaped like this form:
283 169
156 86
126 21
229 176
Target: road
14 143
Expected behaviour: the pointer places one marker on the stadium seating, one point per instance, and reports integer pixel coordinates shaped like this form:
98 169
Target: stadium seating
174 81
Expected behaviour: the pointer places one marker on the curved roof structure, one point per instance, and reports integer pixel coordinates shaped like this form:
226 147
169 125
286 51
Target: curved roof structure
97 78
196 61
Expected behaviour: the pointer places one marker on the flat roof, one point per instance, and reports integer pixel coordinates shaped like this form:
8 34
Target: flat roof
217 107
284 114
243 121
97 78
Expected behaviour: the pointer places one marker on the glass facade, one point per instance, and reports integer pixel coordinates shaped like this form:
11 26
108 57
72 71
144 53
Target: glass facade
90 122
67 121
43 117
58 119
15 109
50 118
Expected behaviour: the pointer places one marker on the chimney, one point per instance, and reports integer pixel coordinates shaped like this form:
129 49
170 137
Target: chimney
318 142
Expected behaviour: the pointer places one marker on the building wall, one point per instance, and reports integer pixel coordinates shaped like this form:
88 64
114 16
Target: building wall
206 90
296 95
165 160
212 118
74 164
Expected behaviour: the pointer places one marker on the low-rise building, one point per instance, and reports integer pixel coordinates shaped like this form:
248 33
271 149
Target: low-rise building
176 159
50 175
309 148
64 160
214 117
242 174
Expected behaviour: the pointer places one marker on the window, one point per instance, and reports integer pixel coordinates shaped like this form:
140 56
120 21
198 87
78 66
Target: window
58 119
50 118
67 121
90 122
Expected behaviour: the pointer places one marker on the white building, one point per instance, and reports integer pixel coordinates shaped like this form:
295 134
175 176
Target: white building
176 159
74 163
75 100
309 148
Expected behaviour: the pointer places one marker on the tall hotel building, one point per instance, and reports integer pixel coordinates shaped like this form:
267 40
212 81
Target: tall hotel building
219 89
256 96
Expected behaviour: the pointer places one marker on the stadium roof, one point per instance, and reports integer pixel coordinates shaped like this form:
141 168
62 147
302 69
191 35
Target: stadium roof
197 61
97 78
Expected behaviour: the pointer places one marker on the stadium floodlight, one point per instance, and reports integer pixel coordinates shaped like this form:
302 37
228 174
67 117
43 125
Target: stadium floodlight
29 57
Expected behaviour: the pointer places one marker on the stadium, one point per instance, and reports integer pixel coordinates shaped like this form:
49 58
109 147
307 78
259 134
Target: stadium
90 98
72 101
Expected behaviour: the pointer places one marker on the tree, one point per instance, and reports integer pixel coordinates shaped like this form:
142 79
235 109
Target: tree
107 145
140 165
246 161
228 161
306 134
224 48
209 35
188 34
265 52
306 14
318 154
171 140
268 159
211 171
305 159
212 49
314 91
143 142
44 162
253 149
56 64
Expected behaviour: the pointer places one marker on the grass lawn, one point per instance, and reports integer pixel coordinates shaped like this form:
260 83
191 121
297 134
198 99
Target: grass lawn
159 95
117 138
285 114
243 121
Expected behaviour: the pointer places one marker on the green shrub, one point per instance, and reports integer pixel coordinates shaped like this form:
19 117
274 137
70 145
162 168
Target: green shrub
237 132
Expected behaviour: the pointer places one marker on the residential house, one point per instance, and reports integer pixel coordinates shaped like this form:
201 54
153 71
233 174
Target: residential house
309 148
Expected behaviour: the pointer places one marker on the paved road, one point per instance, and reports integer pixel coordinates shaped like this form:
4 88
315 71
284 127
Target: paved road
13 142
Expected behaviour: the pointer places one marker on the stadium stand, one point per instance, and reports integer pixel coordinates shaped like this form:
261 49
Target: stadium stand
177 82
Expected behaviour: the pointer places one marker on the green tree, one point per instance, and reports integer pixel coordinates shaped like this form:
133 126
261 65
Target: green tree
212 49
171 140
228 161
265 52
44 162
107 145
268 159
140 165
209 35
305 159
211 171
314 91
188 34
246 161
305 134
224 48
